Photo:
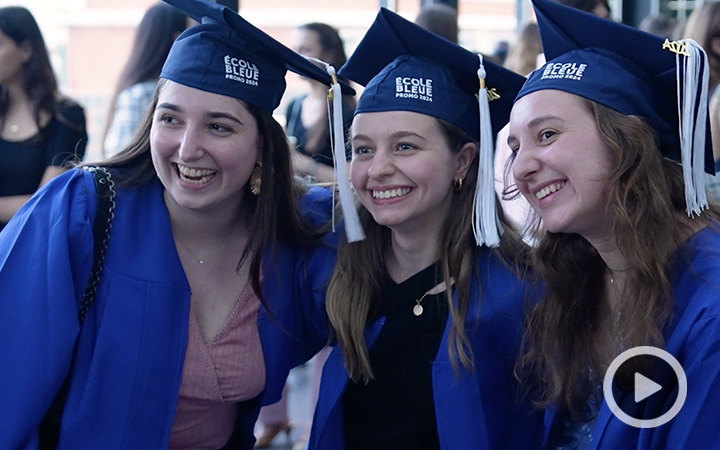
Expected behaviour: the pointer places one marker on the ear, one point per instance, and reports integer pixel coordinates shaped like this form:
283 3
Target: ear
25 50
465 158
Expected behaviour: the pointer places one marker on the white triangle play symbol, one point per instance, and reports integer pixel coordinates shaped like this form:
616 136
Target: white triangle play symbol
644 387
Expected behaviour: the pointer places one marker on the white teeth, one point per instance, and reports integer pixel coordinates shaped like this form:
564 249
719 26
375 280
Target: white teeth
547 190
392 193
195 176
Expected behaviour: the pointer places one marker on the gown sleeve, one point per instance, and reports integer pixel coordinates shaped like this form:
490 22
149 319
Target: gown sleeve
45 262
696 424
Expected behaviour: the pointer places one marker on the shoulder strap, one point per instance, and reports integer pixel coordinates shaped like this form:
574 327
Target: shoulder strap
49 427
101 232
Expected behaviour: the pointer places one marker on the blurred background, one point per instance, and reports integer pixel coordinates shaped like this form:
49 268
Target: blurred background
90 40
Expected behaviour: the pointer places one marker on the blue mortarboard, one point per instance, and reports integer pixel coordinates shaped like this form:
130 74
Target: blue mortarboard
407 68
634 73
436 76
227 55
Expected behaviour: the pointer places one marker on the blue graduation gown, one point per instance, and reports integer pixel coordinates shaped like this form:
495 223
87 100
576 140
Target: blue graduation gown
479 409
131 348
693 338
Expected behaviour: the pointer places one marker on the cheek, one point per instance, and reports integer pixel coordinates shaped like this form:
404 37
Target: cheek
522 187
159 143
358 174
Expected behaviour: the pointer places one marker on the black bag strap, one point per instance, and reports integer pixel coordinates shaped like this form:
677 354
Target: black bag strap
49 427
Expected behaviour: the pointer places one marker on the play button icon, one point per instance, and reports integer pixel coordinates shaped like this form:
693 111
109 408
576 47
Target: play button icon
656 380
644 387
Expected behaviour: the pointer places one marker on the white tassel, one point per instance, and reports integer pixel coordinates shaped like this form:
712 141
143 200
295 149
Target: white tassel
485 220
353 229
692 123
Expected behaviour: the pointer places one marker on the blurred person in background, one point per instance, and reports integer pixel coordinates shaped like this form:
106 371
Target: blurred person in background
154 36
307 114
660 24
600 8
40 129
523 53
439 19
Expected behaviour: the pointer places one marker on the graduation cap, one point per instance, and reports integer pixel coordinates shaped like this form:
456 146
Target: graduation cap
407 68
227 55
635 73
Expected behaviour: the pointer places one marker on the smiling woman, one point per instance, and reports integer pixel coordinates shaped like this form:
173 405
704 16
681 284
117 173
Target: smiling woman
611 158
426 310
184 340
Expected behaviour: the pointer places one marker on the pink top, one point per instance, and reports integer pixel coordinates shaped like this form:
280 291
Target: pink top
217 374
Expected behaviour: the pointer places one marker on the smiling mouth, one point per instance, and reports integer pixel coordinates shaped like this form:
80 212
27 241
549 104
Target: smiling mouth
549 189
195 176
390 193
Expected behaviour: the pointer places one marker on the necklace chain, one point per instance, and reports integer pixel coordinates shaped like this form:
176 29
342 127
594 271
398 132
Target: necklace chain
418 309
201 261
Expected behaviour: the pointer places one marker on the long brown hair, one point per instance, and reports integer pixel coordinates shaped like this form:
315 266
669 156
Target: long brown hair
360 266
645 196
280 193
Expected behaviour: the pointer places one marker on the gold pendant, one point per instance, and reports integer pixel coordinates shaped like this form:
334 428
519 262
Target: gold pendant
417 310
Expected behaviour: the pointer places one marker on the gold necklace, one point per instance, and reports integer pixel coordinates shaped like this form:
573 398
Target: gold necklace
201 261
418 309
441 287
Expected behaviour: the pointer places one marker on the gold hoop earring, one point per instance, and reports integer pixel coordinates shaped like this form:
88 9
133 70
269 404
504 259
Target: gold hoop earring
457 184
256 178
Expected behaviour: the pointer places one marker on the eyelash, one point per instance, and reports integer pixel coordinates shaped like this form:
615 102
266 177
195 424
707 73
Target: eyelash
405 146
220 128
168 119
544 133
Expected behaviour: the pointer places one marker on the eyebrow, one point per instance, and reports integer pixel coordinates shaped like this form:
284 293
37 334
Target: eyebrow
538 120
396 135
167 106
222 115
211 114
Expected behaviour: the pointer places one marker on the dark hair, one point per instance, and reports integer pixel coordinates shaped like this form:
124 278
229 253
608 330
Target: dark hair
38 77
646 201
330 41
274 214
154 36
439 19
585 5
361 265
